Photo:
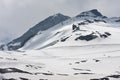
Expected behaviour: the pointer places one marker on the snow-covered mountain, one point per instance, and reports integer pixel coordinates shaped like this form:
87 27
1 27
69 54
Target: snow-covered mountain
42 26
85 47
58 30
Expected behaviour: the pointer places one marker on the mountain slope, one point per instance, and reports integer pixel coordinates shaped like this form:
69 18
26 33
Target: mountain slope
77 32
84 34
59 28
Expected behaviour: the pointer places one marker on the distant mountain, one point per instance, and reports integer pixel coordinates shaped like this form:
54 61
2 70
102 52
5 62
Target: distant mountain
62 30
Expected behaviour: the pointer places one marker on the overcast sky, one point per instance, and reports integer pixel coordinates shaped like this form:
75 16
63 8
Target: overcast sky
17 16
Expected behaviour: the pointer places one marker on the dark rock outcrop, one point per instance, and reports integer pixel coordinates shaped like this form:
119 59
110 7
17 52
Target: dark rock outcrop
87 37
12 70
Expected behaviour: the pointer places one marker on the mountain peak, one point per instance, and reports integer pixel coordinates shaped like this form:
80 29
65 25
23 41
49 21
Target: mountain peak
90 13
58 14
51 21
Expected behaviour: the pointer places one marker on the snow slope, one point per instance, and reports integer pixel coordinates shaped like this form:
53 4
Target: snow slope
65 36
67 63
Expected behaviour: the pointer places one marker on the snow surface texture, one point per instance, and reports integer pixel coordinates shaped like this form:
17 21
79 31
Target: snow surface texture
85 47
